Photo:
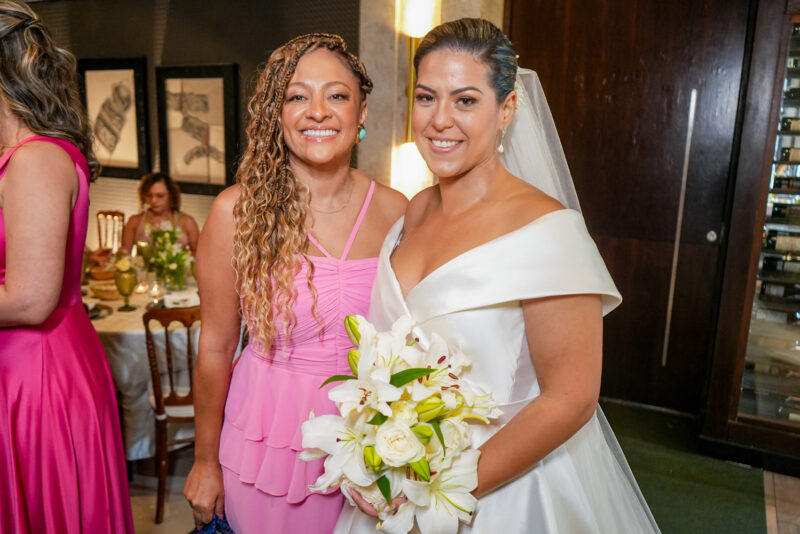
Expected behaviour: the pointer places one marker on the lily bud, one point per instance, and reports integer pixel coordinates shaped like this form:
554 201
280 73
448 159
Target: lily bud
351 326
372 458
422 469
423 432
352 358
430 408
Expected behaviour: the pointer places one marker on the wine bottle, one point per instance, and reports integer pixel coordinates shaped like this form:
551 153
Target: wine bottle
790 154
772 290
771 264
792 92
768 239
788 242
795 30
782 241
783 182
790 124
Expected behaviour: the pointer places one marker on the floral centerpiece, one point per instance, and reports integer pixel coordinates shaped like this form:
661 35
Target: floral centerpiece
402 429
169 260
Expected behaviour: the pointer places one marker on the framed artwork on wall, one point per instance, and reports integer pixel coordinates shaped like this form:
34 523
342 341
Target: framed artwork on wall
115 95
197 126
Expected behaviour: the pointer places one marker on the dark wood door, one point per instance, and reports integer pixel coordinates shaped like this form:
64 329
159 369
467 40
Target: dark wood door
619 75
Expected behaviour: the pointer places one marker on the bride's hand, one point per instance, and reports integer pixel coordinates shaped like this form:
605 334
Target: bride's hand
367 508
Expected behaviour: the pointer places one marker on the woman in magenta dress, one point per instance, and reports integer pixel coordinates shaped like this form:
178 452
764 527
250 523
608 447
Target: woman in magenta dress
292 247
61 462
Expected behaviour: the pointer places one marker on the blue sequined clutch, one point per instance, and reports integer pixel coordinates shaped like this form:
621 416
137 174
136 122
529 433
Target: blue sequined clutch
217 525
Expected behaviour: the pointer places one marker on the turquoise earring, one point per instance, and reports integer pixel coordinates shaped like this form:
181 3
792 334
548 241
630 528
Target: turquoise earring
362 133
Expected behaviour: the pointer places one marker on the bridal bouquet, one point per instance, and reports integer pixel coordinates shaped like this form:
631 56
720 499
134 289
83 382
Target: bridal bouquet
402 429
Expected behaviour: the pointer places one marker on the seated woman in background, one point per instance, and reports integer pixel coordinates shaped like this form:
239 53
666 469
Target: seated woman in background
160 199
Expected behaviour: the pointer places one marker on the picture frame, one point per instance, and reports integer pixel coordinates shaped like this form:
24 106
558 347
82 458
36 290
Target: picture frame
197 126
114 92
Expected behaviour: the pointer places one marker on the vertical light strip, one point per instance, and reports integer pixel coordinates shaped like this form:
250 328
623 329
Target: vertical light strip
679 225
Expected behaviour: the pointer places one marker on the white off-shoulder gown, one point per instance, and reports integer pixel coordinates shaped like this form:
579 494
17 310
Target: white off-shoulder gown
473 301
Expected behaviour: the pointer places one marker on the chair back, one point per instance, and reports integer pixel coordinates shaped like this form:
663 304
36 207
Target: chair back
109 229
166 316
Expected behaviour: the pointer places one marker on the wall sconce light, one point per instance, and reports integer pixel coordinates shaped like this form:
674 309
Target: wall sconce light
410 174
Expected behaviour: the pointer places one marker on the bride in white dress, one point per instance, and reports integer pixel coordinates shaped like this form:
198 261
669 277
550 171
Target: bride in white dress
497 260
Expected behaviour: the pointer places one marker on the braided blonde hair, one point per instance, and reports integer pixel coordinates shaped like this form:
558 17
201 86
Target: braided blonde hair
269 215
38 80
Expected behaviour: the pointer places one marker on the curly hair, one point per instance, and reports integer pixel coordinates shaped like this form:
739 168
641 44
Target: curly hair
38 80
151 179
269 215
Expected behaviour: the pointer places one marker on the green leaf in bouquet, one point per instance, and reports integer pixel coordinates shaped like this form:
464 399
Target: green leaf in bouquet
337 378
377 419
386 489
405 376
436 428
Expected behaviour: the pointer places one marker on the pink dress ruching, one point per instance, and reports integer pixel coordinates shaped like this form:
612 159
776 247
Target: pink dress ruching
272 393
62 467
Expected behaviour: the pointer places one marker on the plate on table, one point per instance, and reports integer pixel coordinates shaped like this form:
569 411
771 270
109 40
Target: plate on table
102 272
100 311
105 291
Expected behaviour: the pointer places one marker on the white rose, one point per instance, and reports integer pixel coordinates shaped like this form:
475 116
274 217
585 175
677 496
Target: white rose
456 439
173 266
397 444
456 435
404 412
124 264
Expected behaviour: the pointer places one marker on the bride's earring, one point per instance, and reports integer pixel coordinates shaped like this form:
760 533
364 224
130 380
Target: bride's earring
500 147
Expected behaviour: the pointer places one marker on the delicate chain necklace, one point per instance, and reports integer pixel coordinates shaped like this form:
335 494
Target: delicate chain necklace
340 208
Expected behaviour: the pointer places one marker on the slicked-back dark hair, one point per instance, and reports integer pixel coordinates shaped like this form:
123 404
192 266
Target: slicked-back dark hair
481 39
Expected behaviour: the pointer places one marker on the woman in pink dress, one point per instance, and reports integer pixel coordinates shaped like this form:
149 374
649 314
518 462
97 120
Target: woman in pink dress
292 247
61 462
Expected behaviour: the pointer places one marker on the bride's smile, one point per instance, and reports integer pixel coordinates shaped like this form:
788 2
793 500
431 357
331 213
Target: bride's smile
456 119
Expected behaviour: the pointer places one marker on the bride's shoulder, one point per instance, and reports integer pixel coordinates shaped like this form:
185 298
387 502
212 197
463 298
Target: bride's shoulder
527 203
420 206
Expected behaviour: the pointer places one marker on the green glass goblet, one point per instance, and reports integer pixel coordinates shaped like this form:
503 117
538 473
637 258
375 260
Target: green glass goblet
145 248
126 283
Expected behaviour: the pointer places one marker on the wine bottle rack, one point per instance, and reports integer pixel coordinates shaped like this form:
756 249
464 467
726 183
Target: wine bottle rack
770 386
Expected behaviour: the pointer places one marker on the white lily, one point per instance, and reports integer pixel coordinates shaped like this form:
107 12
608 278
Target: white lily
446 500
337 438
400 522
446 378
482 408
370 390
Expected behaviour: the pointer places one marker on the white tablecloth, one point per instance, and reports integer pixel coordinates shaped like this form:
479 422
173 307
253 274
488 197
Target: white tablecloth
122 336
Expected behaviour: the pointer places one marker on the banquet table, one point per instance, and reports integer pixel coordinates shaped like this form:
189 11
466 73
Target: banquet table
123 338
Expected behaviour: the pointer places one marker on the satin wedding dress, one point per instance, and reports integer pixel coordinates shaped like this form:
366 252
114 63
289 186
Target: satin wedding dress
473 301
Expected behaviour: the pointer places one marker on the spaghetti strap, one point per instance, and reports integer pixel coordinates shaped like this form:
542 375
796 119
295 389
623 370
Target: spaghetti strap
316 244
360 218
353 232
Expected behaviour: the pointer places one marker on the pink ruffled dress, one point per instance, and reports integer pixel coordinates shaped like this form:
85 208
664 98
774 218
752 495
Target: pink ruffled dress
62 467
272 393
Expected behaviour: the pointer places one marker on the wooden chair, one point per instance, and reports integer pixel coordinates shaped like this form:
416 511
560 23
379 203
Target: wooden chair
169 405
109 229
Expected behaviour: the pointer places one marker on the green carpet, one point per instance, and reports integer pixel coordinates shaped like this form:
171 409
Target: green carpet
687 492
